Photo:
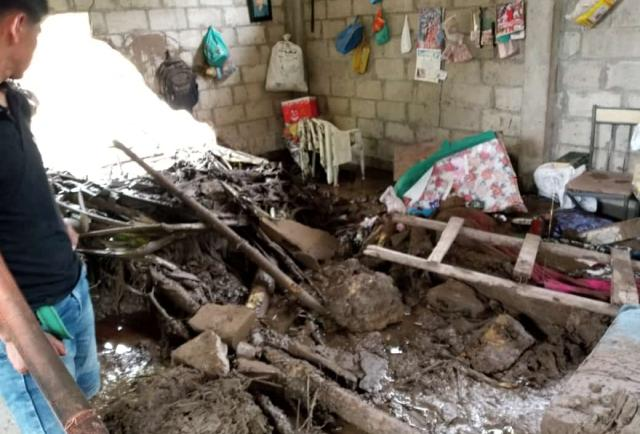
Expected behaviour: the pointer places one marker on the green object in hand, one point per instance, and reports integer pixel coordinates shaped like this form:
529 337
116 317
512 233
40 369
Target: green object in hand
52 323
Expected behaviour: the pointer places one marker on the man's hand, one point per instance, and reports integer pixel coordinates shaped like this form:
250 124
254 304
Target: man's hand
73 236
16 359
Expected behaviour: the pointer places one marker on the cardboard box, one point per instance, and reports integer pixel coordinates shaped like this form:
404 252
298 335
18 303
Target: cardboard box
406 156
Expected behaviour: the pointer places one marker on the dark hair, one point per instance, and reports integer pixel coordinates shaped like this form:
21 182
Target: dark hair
36 10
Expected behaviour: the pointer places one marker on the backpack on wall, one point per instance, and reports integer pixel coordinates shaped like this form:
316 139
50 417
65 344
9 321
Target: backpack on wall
177 83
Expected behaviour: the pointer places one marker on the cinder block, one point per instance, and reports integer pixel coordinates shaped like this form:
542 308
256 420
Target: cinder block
392 111
233 323
505 122
344 122
338 106
391 6
362 108
167 19
207 353
424 114
369 89
238 16
216 2
183 3
372 128
503 73
468 72
426 93
342 88
399 132
240 94
319 84
582 74
259 109
257 128
339 9
389 69
570 44
509 98
202 18
625 75
398 91
243 56
251 35
190 39
602 43
98 23
331 28
467 95
228 115
363 7
58 5
140 3
626 15
459 118
214 98
126 21
581 102
575 132
254 74
275 33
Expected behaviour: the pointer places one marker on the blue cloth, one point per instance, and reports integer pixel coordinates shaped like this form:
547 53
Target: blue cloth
30 409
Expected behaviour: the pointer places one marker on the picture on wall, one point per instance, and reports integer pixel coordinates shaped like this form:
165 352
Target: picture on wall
260 10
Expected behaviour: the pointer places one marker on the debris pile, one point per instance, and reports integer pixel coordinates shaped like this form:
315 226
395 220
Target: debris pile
381 353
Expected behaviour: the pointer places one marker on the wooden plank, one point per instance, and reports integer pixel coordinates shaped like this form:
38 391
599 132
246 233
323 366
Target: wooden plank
623 288
449 235
617 184
474 277
618 116
512 242
527 258
614 233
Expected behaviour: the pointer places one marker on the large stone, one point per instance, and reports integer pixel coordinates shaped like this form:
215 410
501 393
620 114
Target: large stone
233 323
455 297
375 370
359 299
207 353
501 345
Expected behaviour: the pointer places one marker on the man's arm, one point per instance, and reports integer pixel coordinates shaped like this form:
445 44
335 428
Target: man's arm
6 281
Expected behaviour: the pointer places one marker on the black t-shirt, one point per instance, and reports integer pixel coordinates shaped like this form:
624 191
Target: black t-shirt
33 238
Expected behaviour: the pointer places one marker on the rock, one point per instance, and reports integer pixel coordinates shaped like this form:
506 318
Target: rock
361 300
207 353
501 345
246 350
455 297
233 323
375 369
255 368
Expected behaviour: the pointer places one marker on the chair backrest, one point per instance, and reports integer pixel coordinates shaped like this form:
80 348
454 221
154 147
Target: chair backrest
614 117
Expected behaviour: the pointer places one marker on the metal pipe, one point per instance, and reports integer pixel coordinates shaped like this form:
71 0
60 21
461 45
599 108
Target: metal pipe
45 366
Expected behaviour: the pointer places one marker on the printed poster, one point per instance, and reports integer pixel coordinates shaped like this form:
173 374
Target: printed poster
428 62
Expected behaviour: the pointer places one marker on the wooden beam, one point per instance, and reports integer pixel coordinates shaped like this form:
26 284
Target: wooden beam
507 241
623 288
447 238
474 277
614 233
527 258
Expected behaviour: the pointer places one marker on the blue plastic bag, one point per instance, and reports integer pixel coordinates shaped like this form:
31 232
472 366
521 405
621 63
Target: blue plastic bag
216 51
350 37
374 2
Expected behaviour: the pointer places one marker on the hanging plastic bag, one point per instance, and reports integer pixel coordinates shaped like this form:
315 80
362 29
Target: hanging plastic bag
589 12
361 57
286 68
381 29
374 2
216 51
350 37
406 44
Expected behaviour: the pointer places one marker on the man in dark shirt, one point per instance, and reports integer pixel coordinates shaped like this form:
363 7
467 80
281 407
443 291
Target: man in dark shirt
35 246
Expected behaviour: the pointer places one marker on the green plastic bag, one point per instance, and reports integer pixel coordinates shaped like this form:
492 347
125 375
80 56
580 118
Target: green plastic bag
383 36
216 51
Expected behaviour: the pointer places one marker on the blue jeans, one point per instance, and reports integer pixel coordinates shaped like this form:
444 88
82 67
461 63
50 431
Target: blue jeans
30 409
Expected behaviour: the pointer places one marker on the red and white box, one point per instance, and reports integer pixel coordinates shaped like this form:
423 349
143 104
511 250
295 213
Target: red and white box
295 110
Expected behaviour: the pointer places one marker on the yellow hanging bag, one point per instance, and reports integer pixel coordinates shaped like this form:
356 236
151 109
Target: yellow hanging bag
361 57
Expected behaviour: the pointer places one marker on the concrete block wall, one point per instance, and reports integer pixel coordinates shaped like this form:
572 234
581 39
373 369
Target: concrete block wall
599 66
387 104
243 114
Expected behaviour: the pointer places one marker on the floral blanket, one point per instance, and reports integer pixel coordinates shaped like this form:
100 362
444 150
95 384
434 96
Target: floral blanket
482 173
